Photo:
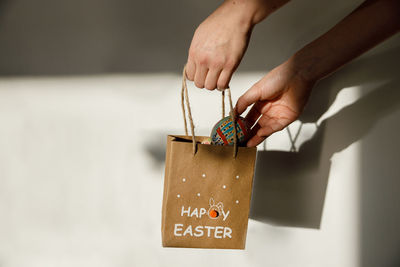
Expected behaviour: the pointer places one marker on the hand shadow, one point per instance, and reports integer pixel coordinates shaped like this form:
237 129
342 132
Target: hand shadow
289 188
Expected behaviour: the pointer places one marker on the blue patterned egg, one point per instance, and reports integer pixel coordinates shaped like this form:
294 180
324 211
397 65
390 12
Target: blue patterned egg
223 132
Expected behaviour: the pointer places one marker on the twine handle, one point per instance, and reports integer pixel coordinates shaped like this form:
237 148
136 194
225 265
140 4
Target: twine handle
186 97
233 117
185 101
223 104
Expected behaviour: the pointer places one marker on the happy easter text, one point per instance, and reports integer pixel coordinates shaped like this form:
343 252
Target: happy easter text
200 230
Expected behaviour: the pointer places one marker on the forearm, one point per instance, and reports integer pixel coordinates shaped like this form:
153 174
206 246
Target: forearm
367 26
251 12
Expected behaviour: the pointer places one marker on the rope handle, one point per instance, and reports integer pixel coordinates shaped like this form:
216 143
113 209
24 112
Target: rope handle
185 100
293 140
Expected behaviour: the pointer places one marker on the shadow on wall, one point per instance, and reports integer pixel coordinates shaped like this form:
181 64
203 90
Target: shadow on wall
380 181
289 188
46 37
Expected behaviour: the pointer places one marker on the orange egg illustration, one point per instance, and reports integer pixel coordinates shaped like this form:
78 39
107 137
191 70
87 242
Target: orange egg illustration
213 214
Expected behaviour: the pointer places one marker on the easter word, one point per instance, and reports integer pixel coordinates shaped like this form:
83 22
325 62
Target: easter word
198 213
198 231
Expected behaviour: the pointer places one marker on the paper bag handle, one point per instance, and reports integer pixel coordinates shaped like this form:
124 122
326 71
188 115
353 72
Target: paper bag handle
185 100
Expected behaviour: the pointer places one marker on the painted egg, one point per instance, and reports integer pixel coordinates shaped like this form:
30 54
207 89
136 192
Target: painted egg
223 132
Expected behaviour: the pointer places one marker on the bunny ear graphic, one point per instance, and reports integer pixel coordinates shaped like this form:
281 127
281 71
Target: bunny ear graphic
220 205
212 201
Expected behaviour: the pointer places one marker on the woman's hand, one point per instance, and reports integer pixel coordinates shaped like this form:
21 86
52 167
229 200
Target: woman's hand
221 40
278 98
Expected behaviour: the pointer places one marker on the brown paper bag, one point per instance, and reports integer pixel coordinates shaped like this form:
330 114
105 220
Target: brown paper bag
207 191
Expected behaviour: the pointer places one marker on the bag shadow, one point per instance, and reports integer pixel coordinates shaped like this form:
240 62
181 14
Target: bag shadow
289 187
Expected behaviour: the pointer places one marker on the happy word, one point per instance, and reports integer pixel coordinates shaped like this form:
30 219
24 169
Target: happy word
200 212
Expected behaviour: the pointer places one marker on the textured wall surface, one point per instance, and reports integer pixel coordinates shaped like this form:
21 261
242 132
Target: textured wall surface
96 36
82 157
81 174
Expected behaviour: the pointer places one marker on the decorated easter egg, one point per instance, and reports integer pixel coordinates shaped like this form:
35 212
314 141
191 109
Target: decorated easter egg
223 132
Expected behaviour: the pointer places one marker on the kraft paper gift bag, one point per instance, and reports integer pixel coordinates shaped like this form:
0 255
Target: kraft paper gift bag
207 190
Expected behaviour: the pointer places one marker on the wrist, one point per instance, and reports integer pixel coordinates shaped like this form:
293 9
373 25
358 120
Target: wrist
250 12
308 65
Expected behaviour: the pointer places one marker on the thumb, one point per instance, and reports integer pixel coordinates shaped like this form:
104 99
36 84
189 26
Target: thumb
250 97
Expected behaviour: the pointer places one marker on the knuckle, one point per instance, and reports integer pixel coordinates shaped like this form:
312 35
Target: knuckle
230 64
217 63
202 59
192 53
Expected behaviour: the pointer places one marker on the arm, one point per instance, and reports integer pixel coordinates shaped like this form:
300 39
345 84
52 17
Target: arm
370 24
221 40
280 96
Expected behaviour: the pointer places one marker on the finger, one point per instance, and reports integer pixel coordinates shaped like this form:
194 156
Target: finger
200 76
270 125
254 130
212 78
250 97
190 70
265 127
255 140
256 111
224 79
258 135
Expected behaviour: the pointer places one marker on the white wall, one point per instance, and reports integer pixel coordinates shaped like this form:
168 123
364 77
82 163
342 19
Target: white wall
81 173
81 162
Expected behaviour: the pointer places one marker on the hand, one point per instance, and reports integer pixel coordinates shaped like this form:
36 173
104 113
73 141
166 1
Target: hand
220 42
279 98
